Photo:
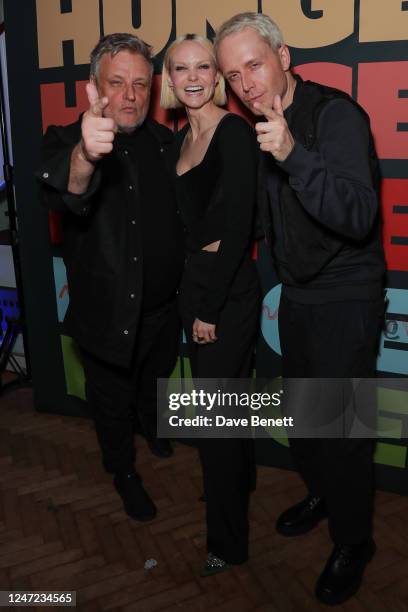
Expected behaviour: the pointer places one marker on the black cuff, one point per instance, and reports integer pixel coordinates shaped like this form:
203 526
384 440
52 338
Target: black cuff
207 316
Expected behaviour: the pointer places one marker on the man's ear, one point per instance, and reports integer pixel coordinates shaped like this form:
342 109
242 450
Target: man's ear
93 80
284 57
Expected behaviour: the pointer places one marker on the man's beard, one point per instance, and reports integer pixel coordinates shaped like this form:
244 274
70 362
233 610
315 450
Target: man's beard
128 129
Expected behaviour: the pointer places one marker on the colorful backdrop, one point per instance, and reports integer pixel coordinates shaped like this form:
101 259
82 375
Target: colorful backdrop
356 45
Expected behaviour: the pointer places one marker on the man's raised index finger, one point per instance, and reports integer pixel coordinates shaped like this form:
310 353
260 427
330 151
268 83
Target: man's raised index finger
92 93
96 104
277 105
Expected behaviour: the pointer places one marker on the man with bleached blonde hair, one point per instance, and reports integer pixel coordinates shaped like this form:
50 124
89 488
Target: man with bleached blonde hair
319 205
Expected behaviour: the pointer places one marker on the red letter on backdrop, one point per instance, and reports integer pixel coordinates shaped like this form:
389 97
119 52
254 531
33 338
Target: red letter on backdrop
394 200
327 73
382 91
54 111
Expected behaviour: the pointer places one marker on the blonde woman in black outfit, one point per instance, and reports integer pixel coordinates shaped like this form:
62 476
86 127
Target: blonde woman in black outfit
215 174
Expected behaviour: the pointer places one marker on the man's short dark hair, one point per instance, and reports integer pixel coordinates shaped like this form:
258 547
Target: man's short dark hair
113 44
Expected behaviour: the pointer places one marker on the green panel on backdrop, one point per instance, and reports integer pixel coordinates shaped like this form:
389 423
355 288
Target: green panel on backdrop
74 373
392 400
394 403
389 428
392 455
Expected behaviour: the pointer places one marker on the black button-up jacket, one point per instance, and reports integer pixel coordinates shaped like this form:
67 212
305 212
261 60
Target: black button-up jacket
102 240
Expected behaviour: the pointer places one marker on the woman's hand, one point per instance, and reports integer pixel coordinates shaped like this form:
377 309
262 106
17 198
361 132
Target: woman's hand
203 333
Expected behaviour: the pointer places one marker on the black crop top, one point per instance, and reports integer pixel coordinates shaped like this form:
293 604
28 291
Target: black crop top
217 200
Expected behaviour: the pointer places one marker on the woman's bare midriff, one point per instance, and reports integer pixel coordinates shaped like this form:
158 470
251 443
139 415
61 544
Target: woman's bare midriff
212 247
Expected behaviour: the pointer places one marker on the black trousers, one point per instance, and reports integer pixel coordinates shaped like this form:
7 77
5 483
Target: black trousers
229 471
334 340
114 393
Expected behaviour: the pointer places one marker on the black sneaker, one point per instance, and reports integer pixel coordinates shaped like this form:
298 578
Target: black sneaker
136 501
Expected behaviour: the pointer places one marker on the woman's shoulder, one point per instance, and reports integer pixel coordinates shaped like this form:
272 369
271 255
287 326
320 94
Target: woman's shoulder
232 128
230 120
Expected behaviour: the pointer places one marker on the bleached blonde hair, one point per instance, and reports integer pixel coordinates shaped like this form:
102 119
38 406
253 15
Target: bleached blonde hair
262 24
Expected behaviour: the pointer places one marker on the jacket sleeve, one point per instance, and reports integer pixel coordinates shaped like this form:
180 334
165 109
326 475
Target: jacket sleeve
53 175
334 184
238 155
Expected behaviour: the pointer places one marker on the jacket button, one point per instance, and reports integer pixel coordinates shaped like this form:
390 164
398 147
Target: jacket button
132 296
126 332
45 175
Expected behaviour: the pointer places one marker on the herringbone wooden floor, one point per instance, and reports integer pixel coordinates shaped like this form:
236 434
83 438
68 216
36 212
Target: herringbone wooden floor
62 528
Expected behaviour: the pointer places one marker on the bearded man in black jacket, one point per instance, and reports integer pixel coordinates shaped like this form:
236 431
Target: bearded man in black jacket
123 252
318 201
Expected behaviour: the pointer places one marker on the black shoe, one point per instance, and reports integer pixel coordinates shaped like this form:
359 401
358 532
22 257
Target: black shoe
302 517
136 501
341 578
160 447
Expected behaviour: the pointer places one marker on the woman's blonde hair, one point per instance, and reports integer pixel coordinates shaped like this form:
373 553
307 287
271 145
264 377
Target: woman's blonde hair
167 97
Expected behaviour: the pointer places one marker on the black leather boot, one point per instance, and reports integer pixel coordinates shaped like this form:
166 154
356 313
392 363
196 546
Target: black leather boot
136 501
342 575
302 517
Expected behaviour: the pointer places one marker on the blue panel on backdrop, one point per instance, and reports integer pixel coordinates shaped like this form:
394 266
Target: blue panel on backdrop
394 340
61 287
269 319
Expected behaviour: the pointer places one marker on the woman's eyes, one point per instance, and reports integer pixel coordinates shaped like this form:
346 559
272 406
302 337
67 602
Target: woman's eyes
203 66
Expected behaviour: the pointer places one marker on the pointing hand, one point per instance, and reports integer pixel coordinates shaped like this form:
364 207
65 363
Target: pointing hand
274 135
98 132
